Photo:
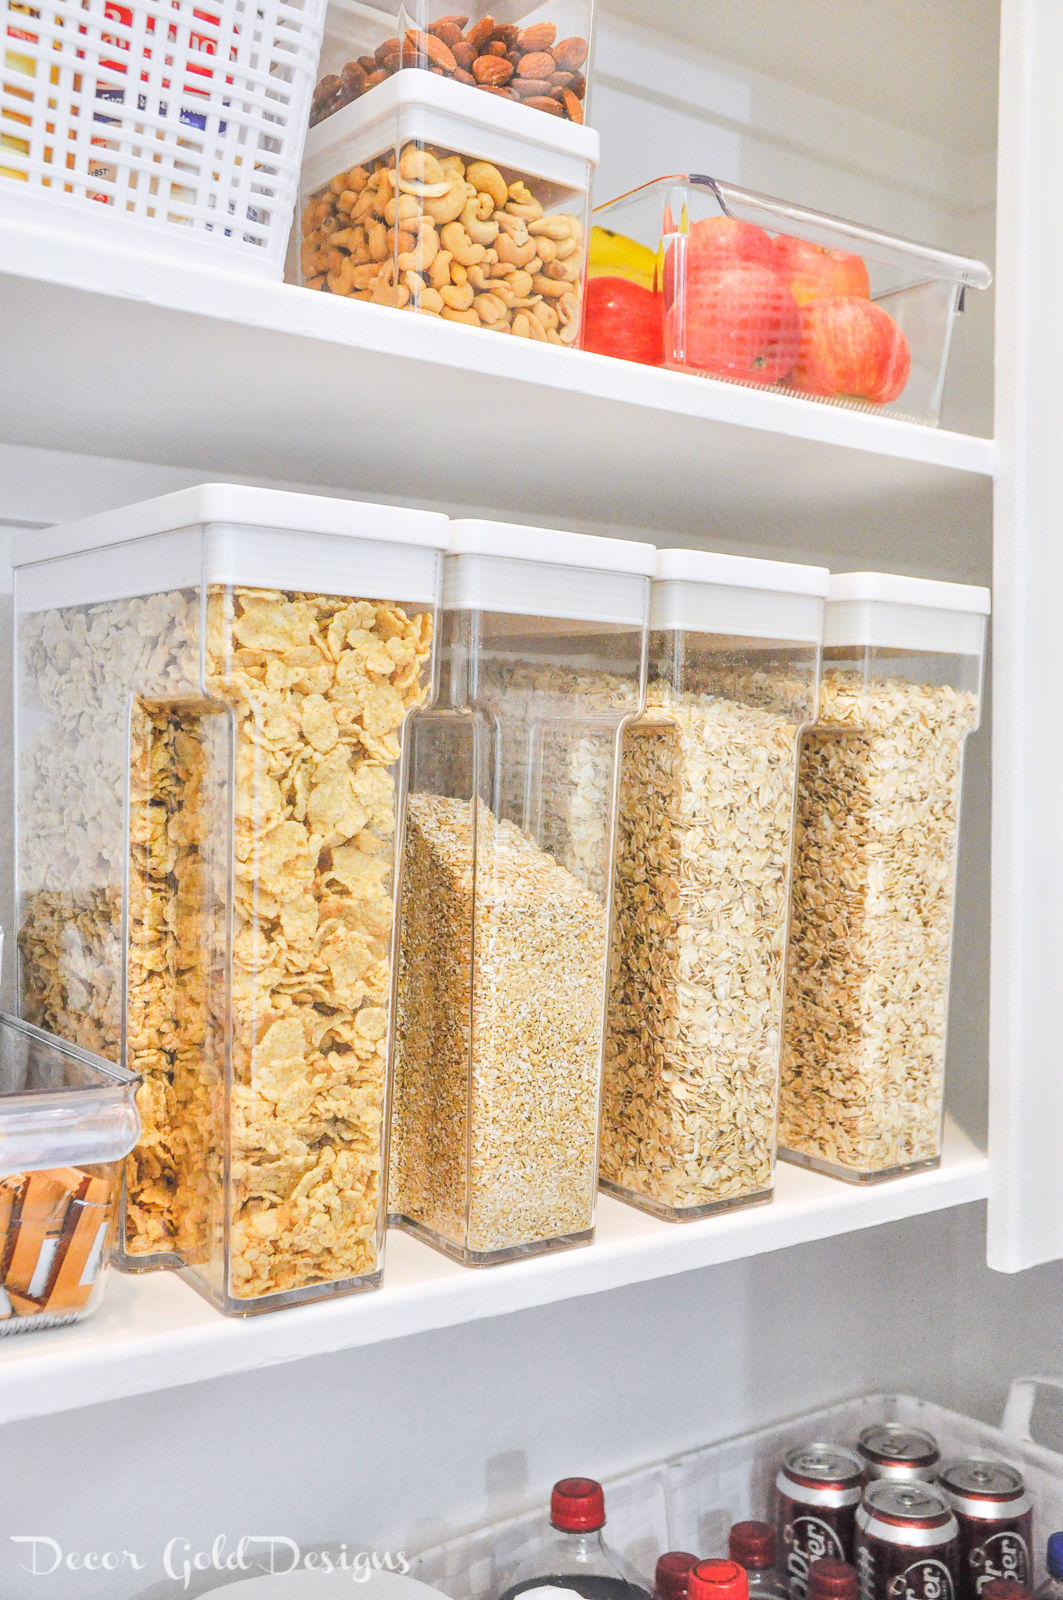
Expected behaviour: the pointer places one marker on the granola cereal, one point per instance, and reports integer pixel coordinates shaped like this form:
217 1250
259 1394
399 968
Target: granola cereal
702 886
868 969
499 1036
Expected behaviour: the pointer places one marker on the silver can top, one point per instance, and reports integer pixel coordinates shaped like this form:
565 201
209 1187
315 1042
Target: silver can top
982 1476
823 1466
915 1504
889 1444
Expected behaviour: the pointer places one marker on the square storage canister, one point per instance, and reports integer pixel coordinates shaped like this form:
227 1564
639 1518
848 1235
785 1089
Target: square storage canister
211 696
506 891
705 839
878 820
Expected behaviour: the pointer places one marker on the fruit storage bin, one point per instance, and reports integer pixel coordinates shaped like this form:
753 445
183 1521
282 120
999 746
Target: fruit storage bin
506 891
535 54
428 196
67 1119
878 819
211 695
757 291
159 125
707 785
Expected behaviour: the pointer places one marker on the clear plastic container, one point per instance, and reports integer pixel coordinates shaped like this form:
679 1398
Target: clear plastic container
430 197
67 1119
878 821
211 696
506 891
534 52
703 883
757 291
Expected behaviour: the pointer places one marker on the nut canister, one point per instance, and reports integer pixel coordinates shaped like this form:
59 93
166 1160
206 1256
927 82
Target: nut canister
990 1503
907 1543
889 1450
819 1488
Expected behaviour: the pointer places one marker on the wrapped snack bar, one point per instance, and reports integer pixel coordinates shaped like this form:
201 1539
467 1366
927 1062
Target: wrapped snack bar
506 891
878 822
212 692
703 883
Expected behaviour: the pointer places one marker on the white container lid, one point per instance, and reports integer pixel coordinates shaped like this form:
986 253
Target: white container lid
741 572
738 597
883 610
546 572
455 117
261 538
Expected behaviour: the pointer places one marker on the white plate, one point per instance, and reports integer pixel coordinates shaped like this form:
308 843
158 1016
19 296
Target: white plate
312 1585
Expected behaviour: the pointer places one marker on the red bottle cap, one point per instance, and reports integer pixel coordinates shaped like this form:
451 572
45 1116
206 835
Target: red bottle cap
752 1544
577 1505
673 1575
718 1580
833 1580
1005 1589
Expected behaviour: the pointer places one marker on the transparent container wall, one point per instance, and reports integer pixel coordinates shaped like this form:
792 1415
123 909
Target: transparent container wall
56 1229
505 938
757 292
535 55
878 818
702 895
464 239
232 784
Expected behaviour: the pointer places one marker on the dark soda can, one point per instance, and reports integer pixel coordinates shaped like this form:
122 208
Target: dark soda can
990 1503
819 1488
907 1543
889 1450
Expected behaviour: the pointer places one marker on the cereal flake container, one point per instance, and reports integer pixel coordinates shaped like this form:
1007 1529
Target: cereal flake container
67 1118
212 691
704 848
506 897
878 821
429 197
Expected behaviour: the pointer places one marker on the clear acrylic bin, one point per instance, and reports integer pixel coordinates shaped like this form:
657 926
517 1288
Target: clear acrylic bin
703 883
432 198
878 820
506 891
67 1119
532 53
759 292
211 696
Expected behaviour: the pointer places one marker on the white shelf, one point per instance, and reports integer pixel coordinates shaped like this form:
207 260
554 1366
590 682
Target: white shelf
116 354
154 1332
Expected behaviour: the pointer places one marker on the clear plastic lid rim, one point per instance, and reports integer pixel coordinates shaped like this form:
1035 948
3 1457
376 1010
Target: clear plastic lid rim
545 591
868 624
741 572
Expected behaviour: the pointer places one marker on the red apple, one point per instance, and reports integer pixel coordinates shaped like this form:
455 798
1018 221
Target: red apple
621 318
740 322
814 272
717 242
851 346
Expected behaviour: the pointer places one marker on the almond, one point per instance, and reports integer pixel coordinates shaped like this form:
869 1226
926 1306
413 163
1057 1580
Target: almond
464 54
579 88
494 88
540 36
562 80
570 54
572 105
496 48
439 54
532 86
539 64
480 33
449 32
461 76
367 63
506 33
543 103
353 76
379 76
326 89
390 47
491 71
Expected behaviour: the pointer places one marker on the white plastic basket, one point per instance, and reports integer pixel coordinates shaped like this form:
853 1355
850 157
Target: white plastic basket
177 125
690 1501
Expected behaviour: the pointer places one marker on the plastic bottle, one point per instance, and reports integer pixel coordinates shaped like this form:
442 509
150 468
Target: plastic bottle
1052 1588
752 1545
574 1558
833 1580
718 1580
672 1579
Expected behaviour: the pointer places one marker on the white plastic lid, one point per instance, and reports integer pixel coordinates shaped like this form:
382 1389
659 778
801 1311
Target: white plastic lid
741 572
546 572
738 597
883 610
414 104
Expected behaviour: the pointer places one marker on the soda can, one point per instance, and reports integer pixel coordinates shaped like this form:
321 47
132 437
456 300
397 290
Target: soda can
907 1543
889 1450
990 1503
819 1487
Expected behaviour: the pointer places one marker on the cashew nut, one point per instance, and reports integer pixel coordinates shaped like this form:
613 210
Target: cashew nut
461 316
518 255
546 249
544 313
378 241
457 241
536 331
458 297
487 179
549 286
449 206
439 275
401 208
452 165
424 253
480 230
516 227
521 325
521 284
417 165
490 308
432 301
551 228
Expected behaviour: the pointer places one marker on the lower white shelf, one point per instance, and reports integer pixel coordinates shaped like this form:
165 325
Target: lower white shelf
153 1332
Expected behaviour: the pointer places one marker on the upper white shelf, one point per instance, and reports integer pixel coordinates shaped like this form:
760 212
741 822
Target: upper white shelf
114 354
154 1332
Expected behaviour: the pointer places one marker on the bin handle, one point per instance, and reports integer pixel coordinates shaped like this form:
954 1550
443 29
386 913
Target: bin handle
1018 1408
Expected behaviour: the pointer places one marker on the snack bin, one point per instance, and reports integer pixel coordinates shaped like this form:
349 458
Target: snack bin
760 292
534 53
878 819
506 897
67 1118
211 695
704 848
429 196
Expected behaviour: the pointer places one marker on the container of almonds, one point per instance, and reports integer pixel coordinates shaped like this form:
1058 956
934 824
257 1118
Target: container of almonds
505 894
428 196
702 883
878 822
534 54
212 692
